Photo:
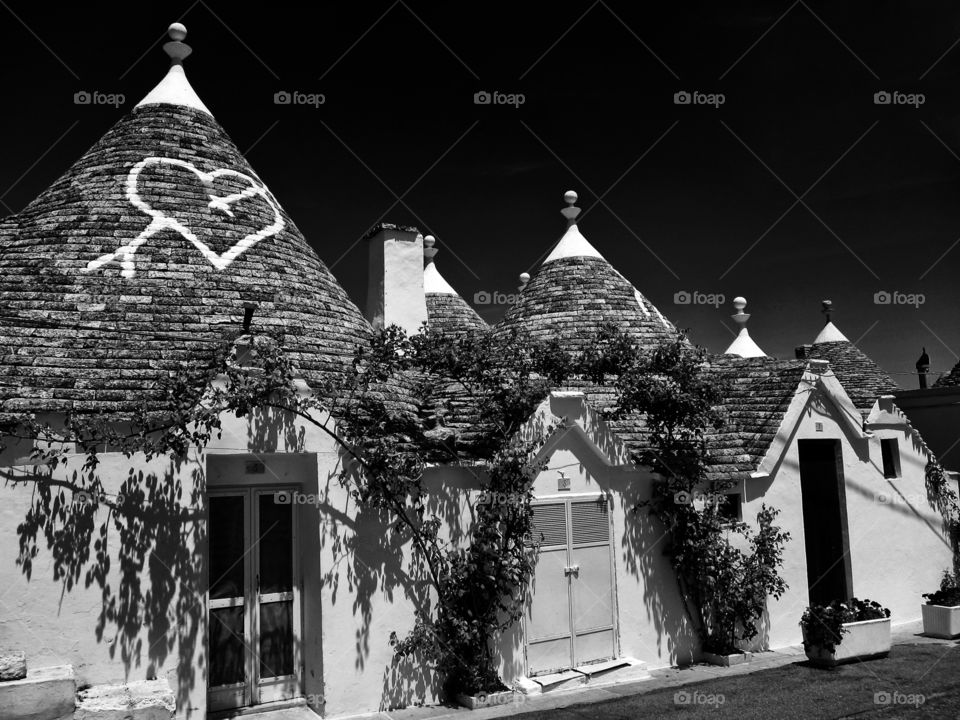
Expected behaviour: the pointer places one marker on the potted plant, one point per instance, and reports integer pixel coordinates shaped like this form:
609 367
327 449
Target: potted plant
941 614
844 631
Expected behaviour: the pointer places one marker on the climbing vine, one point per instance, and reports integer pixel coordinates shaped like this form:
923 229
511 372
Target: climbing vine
474 396
724 583
944 499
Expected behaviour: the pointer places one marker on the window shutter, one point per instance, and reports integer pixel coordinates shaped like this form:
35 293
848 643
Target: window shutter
590 522
551 520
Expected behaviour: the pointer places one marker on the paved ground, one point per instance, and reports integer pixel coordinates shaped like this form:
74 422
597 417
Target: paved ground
920 678
915 681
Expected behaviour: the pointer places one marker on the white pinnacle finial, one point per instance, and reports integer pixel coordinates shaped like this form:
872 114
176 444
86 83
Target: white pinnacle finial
524 279
830 332
743 345
174 88
739 303
429 251
176 48
571 211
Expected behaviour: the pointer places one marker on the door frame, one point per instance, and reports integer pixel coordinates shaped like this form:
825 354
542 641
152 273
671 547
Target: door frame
254 691
614 596
840 495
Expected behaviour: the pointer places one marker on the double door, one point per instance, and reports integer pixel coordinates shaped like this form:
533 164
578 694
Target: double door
571 616
253 603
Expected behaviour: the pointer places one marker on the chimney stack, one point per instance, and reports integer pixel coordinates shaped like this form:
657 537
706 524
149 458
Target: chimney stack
923 367
395 294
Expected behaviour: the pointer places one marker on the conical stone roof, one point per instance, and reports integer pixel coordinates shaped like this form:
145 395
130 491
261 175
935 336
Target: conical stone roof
576 292
447 312
146 254
951 379
861 377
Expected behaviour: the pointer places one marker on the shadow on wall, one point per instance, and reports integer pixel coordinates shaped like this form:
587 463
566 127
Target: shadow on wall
643 546
642 558
374 569
144 555
272 431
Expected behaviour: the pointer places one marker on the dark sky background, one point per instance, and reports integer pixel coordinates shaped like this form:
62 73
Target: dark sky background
686 191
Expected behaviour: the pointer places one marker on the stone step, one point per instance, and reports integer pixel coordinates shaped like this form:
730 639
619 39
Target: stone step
141 700
615 672
610 672
560 681
44 694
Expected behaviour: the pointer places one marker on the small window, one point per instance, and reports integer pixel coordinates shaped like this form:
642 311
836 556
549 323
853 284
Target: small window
731 507
890 451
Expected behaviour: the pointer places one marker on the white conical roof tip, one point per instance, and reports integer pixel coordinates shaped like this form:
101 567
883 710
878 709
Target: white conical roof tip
830 332
573 243
743 345
174 89
433 281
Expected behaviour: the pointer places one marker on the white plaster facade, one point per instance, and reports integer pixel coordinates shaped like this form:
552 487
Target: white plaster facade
355 588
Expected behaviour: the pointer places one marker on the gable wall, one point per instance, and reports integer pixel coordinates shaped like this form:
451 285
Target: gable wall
897 551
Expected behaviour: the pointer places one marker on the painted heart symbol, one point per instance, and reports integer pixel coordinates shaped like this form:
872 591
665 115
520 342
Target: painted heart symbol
161 221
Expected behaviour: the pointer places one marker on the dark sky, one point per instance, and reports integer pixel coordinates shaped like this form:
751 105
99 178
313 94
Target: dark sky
689 193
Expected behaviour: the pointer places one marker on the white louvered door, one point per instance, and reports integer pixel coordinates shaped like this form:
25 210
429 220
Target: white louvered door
571 616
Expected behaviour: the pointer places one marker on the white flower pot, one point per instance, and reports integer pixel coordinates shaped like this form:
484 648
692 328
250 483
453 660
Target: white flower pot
940 621
865 639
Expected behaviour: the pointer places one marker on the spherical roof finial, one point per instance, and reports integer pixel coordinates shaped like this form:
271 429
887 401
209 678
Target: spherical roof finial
176 49
740 317
524 277
570 212
429 251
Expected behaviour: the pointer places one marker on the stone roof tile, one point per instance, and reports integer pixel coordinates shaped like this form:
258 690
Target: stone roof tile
74 315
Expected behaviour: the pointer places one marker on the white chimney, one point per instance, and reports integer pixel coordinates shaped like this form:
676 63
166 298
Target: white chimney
395 294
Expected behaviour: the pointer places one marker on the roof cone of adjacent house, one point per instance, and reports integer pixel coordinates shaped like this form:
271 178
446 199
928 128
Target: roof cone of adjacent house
147 253
447 312
576 292
860 376
743 345
950 379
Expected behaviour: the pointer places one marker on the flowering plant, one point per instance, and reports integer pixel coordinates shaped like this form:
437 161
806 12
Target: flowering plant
823 625
949 593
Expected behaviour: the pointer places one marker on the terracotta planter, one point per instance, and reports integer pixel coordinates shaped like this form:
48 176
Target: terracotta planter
940 621
727 660
864 640
483 700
